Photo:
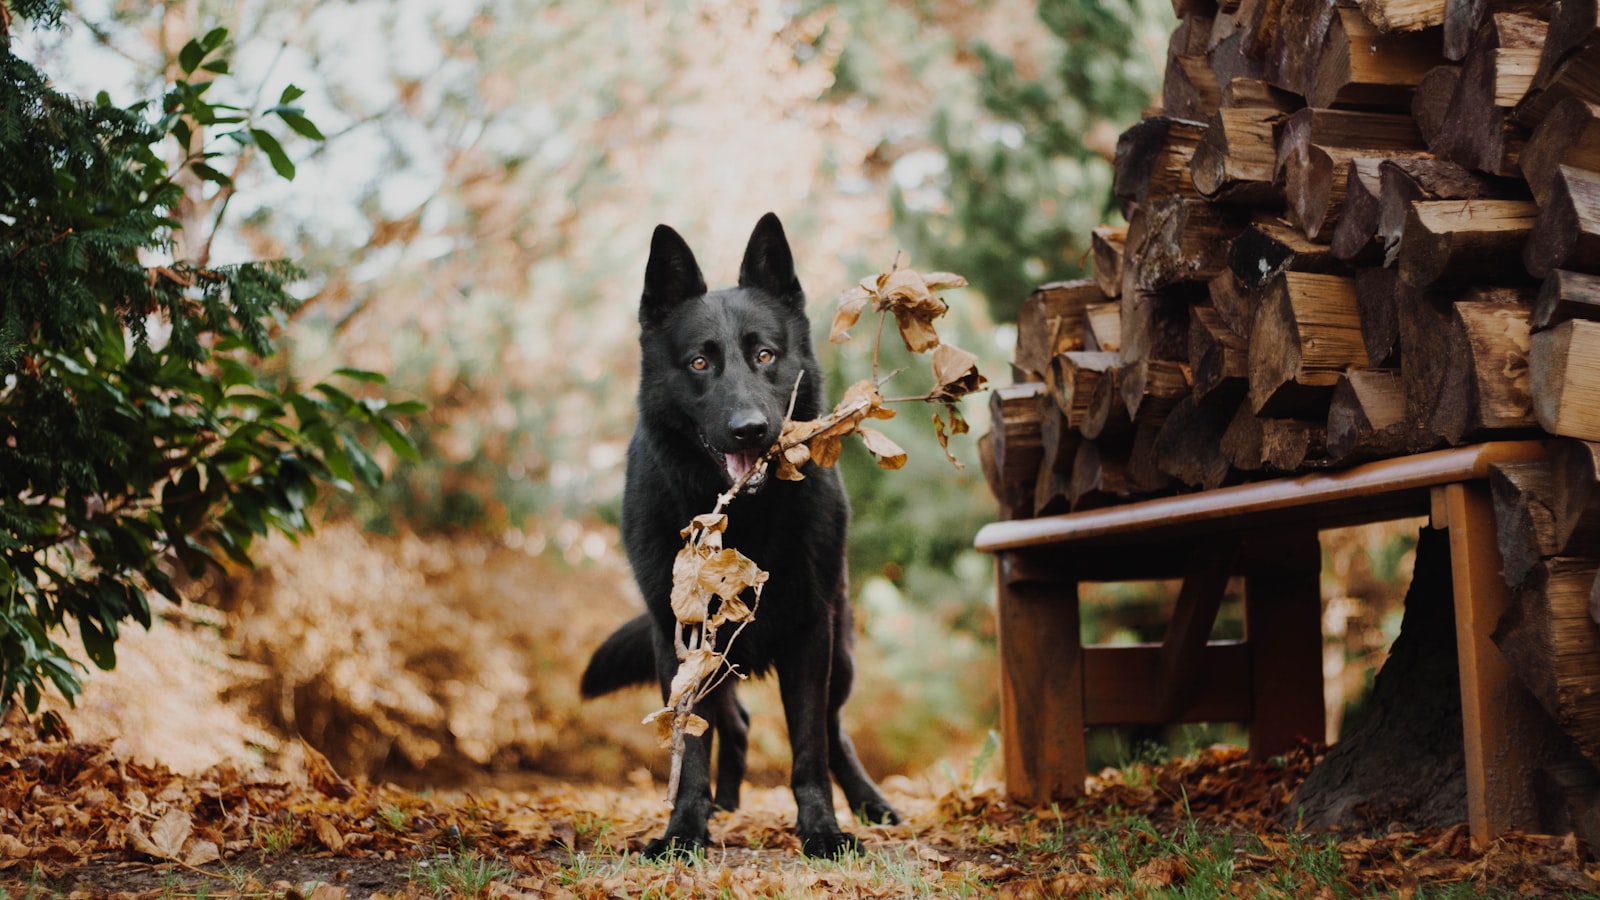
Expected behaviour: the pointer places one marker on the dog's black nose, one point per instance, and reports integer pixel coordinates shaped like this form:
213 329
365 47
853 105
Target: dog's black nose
748 428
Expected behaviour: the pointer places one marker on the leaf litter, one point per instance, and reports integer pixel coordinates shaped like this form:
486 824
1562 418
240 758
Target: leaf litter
79 820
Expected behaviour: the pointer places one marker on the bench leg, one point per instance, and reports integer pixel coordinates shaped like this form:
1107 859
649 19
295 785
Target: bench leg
1041 682
1499 718
1283 625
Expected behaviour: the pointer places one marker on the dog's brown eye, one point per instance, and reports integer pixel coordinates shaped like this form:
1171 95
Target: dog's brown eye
765 356
699 364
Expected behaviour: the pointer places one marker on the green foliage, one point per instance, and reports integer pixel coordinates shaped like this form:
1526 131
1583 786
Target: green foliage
1026 173
141 436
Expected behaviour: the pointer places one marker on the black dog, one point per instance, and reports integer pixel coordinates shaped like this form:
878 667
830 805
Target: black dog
717 373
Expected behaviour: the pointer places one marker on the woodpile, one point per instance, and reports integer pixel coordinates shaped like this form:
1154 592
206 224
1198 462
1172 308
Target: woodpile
1355 230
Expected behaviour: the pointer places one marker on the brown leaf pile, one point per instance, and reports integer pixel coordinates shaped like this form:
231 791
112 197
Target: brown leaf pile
78 816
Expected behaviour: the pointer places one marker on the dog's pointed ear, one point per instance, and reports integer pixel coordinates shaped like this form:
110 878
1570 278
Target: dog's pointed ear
768 265
671 276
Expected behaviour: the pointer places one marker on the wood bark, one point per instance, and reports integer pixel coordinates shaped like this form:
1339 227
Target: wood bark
1292 445
1575 498
1306 333
1145 478
1430 106
1241 441
1403 760
1569 135
1155 324
1566 295
1566 234
1185 240
1297 44
1554 646
1450 242
1569 63
1106 419
1565 368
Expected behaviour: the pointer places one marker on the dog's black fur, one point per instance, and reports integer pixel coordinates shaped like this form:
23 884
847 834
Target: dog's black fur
716 378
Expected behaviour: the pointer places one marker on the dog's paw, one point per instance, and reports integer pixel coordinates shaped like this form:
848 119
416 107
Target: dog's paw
675 845
828 843
877 812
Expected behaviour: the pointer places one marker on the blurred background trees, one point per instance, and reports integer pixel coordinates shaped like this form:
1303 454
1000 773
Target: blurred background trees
475 225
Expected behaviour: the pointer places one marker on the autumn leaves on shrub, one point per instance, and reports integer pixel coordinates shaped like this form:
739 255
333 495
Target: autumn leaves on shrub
710 582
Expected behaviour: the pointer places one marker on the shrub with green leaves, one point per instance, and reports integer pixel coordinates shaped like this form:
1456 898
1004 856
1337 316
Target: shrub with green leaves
142 435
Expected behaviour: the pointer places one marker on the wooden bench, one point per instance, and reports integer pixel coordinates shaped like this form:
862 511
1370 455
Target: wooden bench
1052 686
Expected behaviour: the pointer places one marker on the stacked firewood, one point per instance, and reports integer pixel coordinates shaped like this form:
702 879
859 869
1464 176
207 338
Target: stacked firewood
1354 232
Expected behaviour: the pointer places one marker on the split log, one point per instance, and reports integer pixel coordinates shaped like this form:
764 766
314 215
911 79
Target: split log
1256 93
1367 418
1478 130
1072 378
1010 507
1189 445
1299 42
1150 388
1241 441
1466 362
1355 233
1448 241
1566 295
1103 327
1570 136
1099 475
1219 359
1404 180
1377 300
1569 64
1189 89
1014 438
1463 20
1403 15
1566 233
1524 522
1554 647
1362 66
1292 445
1185 240
1058 444
1153 156
1145 478
1261 18
1051 322
1259 254
1306 333
1430 106
1565 362
1575 498
1106 247
1230 59
1155 324
1106 419
1314 153
1235 162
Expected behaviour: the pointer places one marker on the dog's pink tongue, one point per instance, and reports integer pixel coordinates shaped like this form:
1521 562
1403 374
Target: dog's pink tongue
740 463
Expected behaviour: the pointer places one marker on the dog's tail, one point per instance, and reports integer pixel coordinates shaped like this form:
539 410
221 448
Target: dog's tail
627 658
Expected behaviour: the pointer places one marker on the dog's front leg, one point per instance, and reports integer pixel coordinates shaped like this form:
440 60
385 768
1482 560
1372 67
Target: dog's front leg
691 808
803 681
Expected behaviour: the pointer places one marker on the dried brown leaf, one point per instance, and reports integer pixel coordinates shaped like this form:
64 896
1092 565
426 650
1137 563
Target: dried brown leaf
727 573
852 304
945 430
166 837
689 600
693 669
202 852
889 454
328 834
955 373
